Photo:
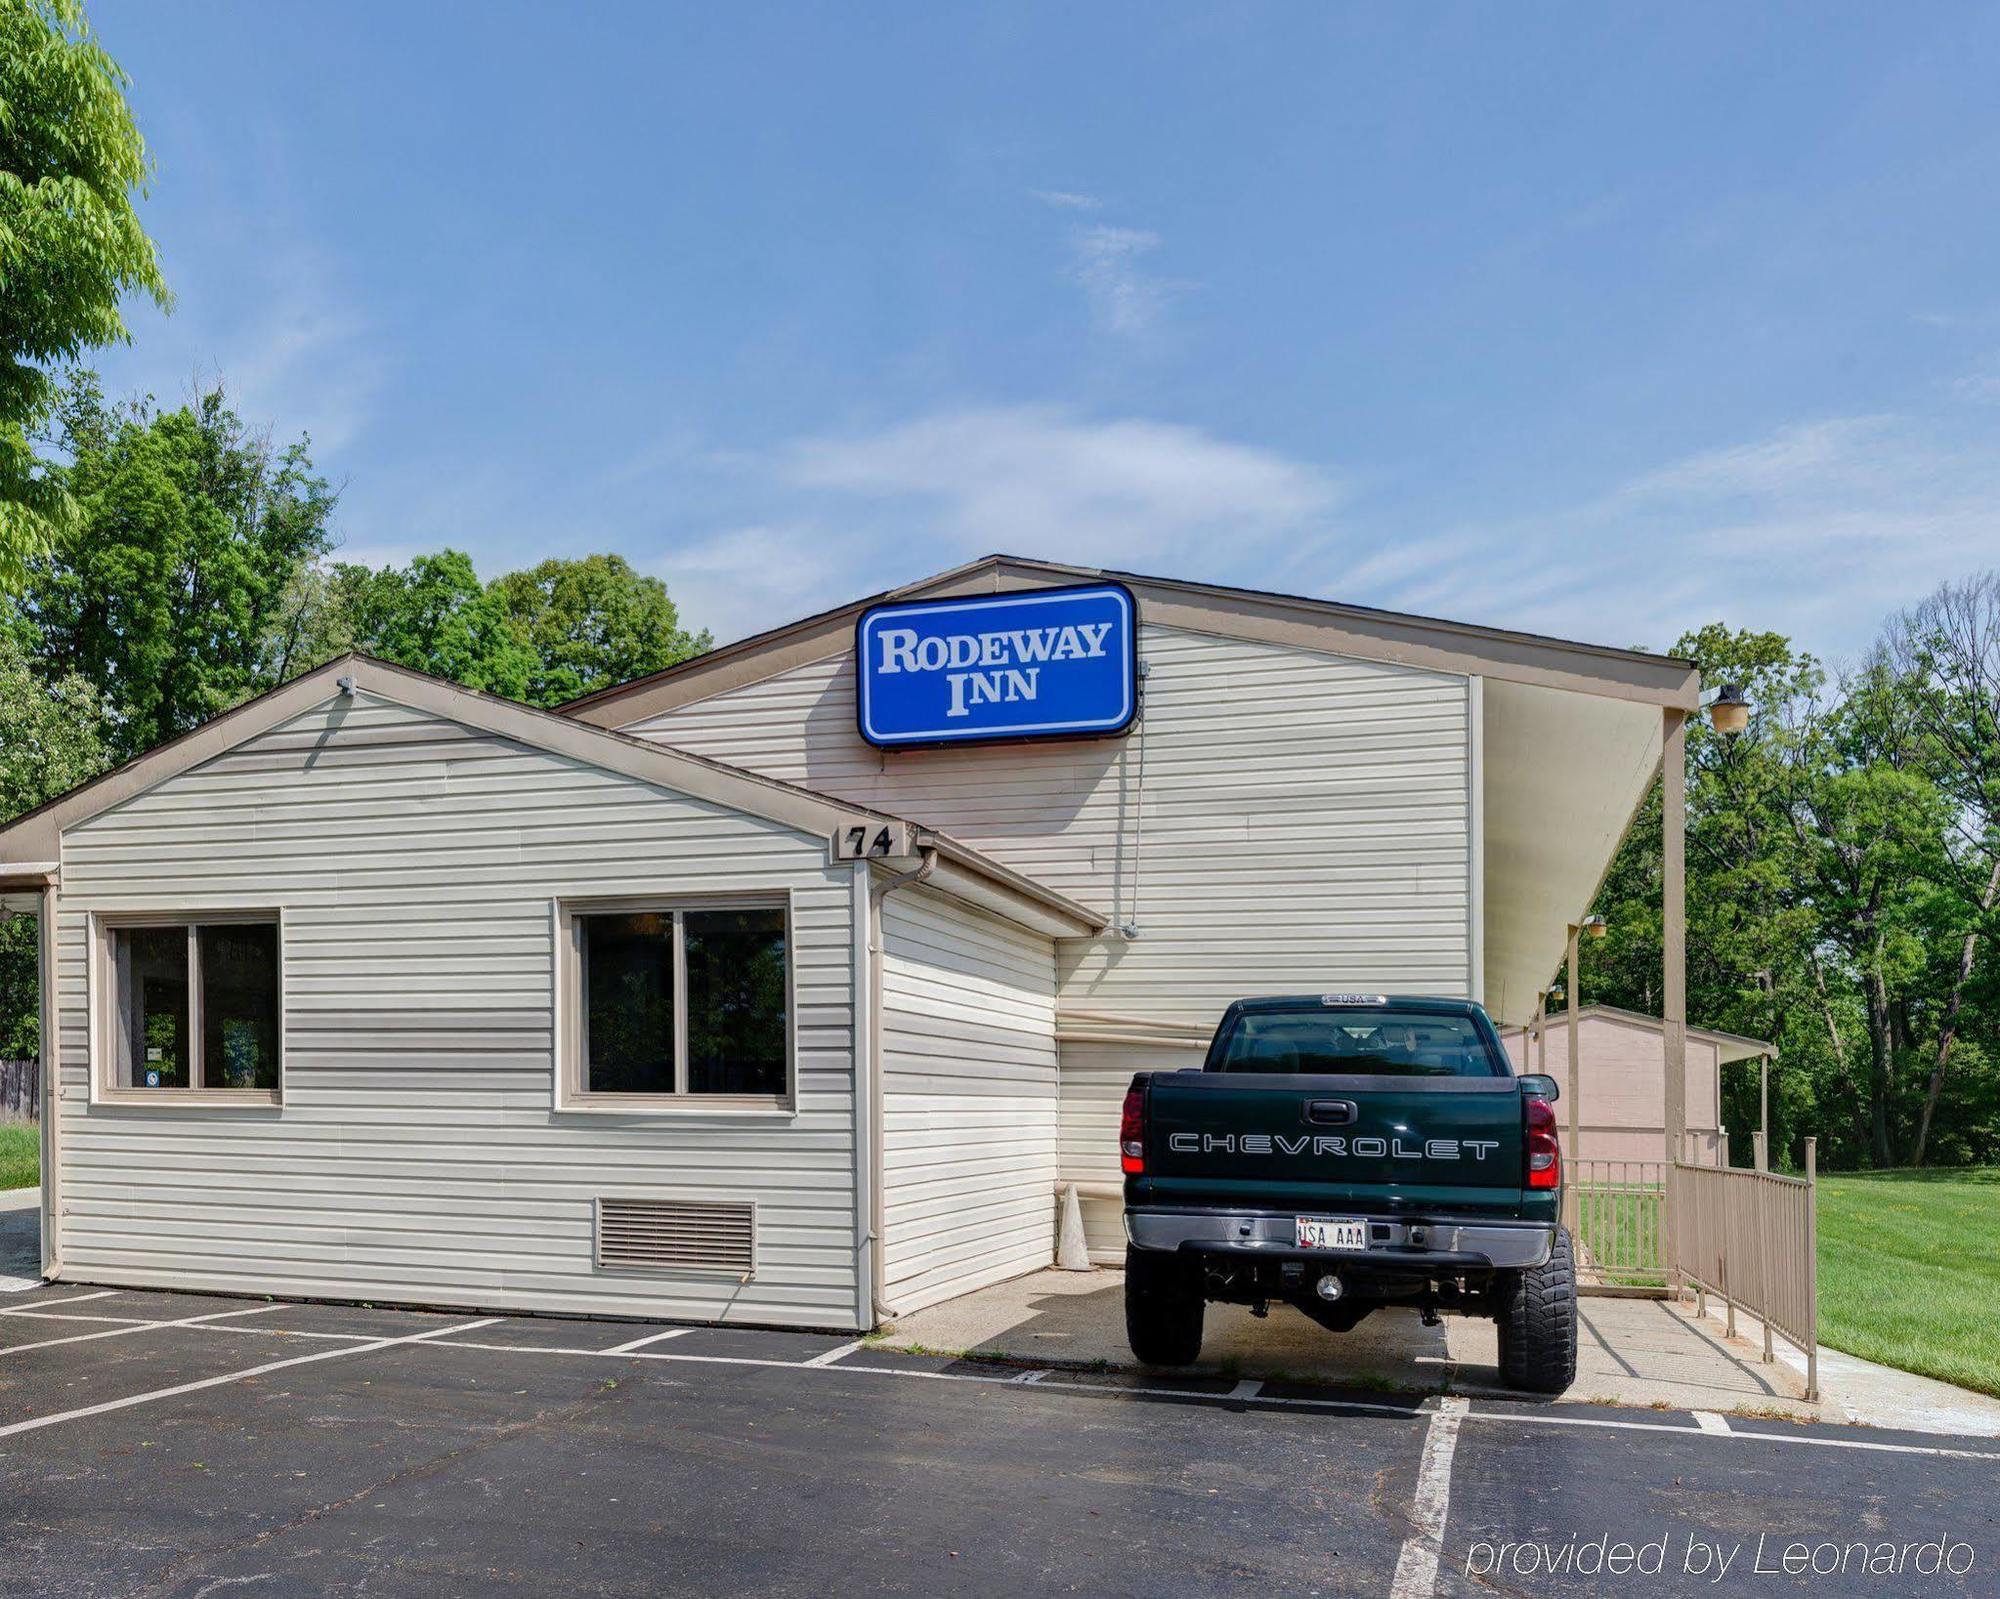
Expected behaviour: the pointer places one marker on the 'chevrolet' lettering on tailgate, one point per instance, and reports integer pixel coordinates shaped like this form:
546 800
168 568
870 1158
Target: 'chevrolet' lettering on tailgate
1317 1144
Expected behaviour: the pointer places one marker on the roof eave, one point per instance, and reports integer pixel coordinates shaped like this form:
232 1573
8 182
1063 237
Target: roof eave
1334 627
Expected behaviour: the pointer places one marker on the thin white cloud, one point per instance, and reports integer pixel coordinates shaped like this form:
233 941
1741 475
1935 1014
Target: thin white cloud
1981 387
1806 457
1124 297
1818 529
868 510
1066 199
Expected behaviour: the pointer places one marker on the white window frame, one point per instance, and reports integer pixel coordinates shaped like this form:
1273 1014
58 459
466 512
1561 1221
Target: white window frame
572 1093
102 978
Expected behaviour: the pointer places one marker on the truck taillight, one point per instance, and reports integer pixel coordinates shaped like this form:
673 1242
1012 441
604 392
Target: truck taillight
1545 1163
1132 1132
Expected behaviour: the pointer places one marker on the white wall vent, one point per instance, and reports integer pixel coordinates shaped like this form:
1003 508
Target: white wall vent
676 1235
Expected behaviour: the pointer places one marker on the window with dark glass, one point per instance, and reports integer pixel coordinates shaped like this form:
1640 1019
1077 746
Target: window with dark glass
683 1002
153 1008
736 1001
195 1005
628 972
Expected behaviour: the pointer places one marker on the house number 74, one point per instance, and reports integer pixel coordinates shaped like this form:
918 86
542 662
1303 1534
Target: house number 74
862 842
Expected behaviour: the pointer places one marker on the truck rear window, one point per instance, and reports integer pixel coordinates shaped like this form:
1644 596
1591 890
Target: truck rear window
1381 1042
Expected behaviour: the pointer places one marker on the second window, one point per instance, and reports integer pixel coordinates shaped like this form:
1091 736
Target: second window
682 1001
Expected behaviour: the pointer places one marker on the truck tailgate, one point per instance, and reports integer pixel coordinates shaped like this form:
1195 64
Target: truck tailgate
1346 1143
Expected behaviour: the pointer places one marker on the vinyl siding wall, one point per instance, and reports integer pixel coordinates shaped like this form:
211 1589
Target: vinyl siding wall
416 1157
1307 825
1623 1111
969 1098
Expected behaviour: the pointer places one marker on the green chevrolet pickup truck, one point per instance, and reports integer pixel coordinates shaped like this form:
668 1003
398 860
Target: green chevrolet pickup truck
1342 1153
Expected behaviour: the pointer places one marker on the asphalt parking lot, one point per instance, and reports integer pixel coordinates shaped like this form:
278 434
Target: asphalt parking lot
163 1444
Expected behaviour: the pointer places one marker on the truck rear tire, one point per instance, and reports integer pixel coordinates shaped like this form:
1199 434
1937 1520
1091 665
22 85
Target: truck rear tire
1163 1308
1537 1317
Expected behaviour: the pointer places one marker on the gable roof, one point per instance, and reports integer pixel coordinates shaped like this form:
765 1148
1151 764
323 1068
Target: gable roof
1733 1046
31 843
1359 631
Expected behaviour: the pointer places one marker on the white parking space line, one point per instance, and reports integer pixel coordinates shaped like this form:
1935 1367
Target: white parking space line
1714 1427
135 1327
43 1305
1417 1565
1248 1388
296 1332
84 1315
630 1354
1204 1396
641 1343
127 1403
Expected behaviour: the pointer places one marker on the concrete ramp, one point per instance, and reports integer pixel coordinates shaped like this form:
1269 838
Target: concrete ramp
1629 1351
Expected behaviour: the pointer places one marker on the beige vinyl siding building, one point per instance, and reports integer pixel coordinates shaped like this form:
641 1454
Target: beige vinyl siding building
413 862
688 1002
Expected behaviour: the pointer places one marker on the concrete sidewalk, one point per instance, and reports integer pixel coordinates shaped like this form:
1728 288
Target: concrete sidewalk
1629 1351
1869 1395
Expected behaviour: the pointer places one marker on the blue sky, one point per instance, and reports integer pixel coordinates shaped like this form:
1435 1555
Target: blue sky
1599 321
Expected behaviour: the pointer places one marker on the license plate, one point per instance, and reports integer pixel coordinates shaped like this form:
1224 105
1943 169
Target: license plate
1332 1232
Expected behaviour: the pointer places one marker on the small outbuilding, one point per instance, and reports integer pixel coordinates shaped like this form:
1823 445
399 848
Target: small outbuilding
791 984
1622 1103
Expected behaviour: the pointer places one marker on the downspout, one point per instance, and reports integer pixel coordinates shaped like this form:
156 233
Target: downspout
878 1220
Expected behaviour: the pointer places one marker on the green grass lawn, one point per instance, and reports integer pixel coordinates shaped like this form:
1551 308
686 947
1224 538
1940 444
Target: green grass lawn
1909 1271
20 1155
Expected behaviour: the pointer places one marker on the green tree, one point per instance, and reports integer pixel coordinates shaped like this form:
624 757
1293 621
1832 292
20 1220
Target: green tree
1828 904
546 635
51 739
1747 932
71 247
1869 825
1947 650
591 623
434 615
171 593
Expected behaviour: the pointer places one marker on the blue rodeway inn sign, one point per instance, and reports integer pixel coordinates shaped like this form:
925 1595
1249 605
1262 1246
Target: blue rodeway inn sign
1041 663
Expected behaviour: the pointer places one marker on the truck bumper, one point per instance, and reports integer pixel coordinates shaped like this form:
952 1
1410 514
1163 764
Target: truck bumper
1440 1243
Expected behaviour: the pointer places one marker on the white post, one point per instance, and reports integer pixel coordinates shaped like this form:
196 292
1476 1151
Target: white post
1673 955
1764 1094
1812 1268
1572 1202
